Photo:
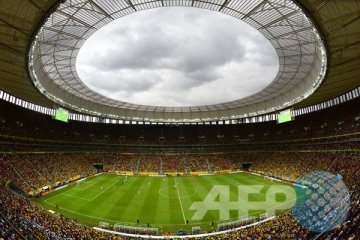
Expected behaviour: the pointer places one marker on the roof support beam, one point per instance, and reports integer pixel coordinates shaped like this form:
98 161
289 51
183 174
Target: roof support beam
75 19
292 32
278 20
101 9
58 44
254 9
226 2
64 33
131 4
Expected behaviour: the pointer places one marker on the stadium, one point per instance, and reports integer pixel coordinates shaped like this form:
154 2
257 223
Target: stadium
281 162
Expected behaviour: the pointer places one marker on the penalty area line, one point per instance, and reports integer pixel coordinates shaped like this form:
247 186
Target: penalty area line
181 206
115 182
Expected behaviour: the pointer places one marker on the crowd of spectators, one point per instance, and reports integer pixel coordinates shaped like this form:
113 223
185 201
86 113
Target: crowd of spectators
350 228
289 165
32 171
286 227
285 151
149 163
20 216
22 129
176 163
119 162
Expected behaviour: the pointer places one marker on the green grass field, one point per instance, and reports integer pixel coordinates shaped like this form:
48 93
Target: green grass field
163 202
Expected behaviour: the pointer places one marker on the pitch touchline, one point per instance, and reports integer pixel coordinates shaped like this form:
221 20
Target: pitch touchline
68 210
59 194
182 210
116 221
109 220
130 223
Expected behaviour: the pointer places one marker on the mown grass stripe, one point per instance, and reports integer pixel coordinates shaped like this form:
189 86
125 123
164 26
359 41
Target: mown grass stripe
157 203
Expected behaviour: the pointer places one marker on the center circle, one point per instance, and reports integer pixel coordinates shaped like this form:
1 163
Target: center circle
177 56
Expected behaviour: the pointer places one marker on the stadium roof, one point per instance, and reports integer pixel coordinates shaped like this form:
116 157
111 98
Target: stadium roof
58 41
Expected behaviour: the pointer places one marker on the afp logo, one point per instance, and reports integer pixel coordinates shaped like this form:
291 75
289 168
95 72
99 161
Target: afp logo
263 198
323 201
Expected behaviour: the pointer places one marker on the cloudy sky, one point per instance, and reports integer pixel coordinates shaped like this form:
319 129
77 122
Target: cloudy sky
177 57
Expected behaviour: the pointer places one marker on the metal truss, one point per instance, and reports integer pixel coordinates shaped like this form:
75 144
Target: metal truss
301 52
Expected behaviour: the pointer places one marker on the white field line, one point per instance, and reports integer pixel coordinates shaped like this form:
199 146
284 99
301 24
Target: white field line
123 222
109 220
98 195
57 195
78 213
131 223
86 187
63 193
69 195
268 192
182 209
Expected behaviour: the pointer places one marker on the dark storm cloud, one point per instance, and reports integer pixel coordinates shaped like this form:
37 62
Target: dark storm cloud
177 56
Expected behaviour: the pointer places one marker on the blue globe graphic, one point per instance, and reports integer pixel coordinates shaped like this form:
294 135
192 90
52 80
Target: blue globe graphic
323 201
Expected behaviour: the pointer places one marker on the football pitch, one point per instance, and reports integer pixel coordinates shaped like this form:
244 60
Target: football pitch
162 202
